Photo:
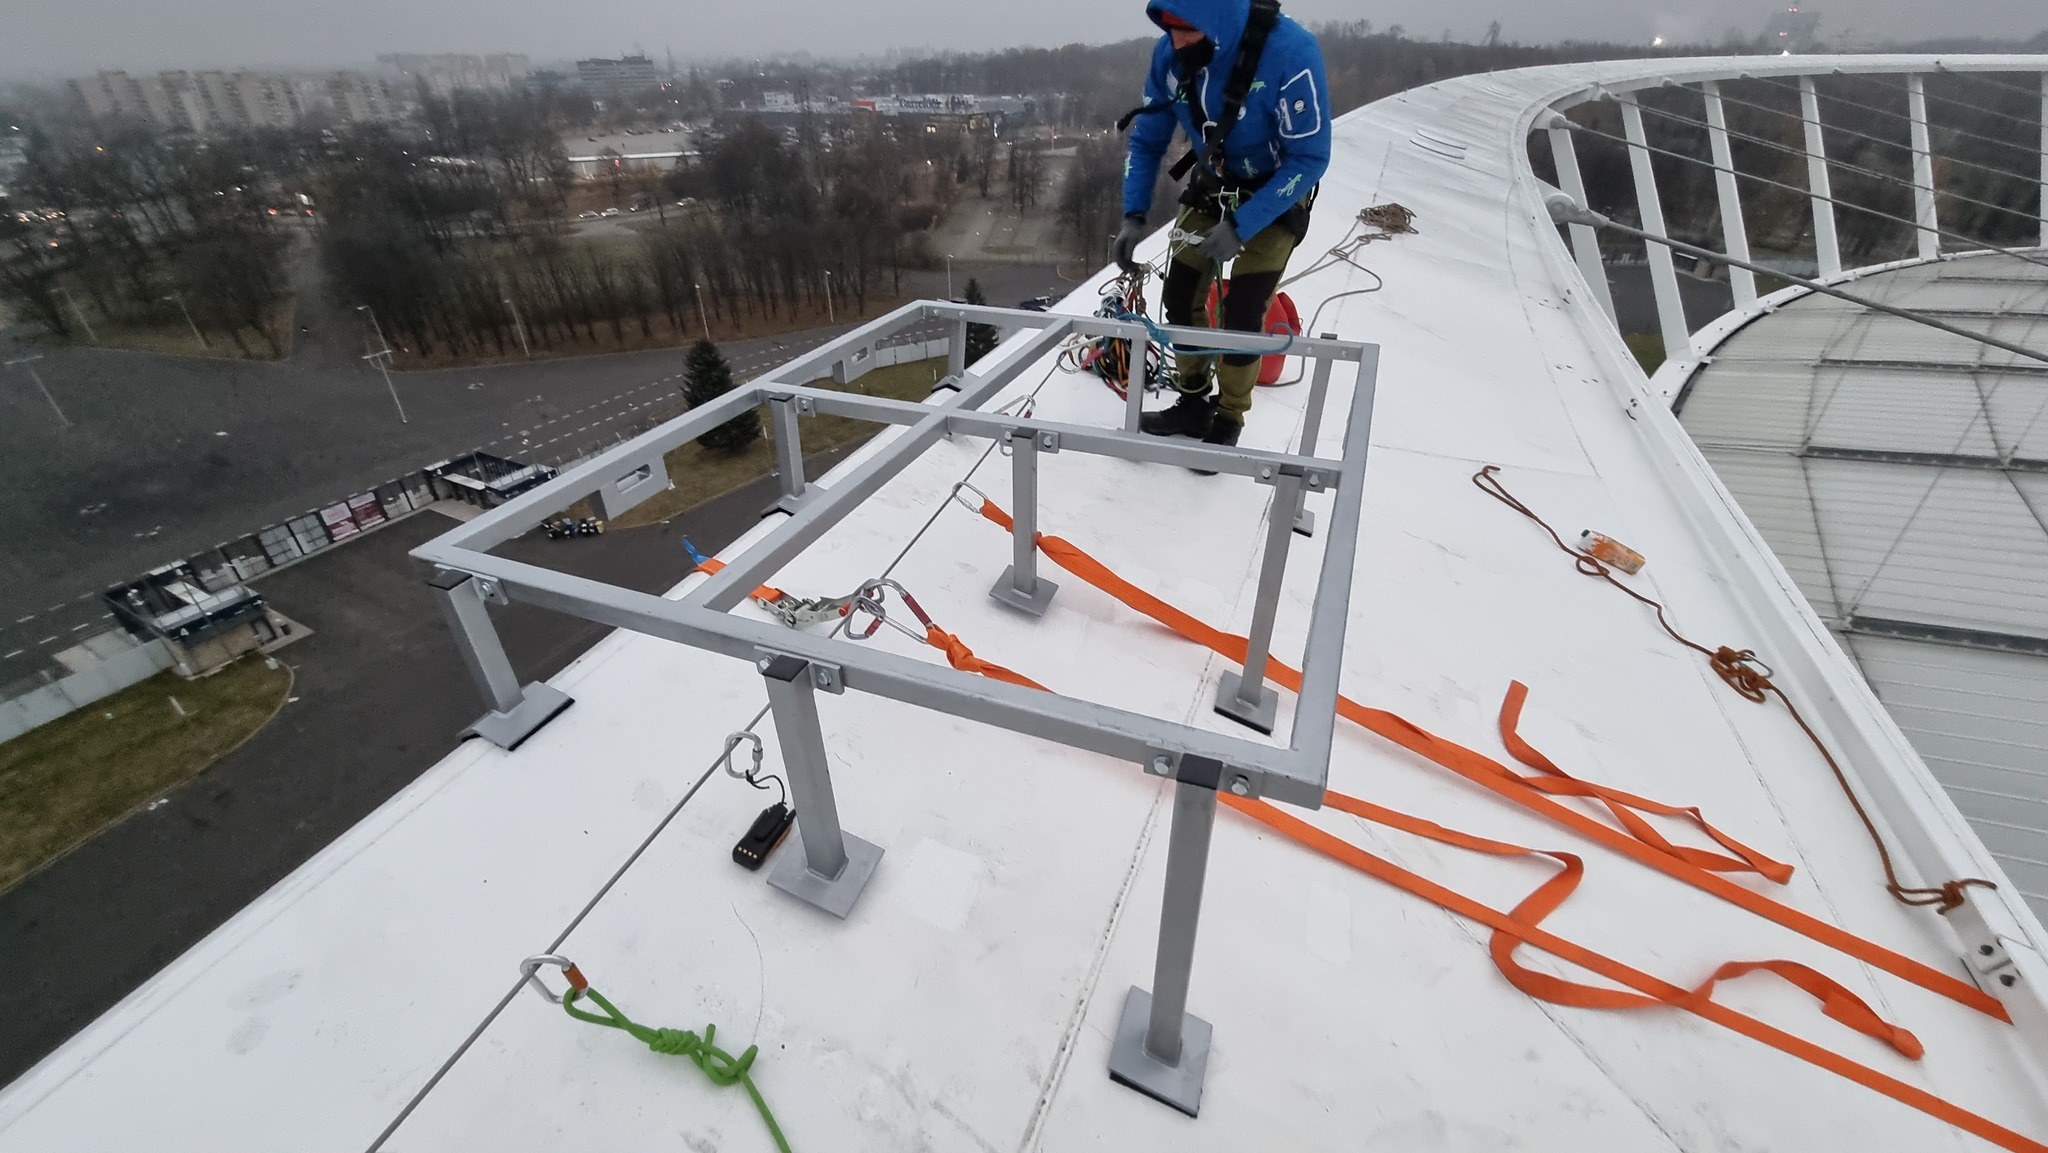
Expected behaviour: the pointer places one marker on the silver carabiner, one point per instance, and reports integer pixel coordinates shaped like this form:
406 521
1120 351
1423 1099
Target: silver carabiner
530 970
732 741
964 486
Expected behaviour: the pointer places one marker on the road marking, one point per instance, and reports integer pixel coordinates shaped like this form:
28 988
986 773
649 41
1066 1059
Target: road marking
12 655
86 625
26 619
84 596
46 640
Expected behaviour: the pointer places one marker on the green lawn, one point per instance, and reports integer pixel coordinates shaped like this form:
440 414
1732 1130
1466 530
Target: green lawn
1649 350
698 474
64 782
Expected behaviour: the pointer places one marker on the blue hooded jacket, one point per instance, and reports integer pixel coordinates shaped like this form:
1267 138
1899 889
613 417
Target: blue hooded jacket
1283 133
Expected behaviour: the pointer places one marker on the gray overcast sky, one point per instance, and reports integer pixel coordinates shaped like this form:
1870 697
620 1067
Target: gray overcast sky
44 38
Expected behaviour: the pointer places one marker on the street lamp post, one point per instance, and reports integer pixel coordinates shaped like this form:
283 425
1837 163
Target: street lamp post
949 276
77 312
519 327
383 344
196 334
703 317
830 316
28 365
382 359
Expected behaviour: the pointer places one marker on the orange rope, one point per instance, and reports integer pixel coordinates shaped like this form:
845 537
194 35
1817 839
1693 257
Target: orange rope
1522 924
1504 782
1751 680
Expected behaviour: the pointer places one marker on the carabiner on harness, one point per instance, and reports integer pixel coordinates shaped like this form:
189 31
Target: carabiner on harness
732 742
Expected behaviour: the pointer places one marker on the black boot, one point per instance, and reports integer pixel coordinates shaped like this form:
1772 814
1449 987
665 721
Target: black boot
1189 416
1223 430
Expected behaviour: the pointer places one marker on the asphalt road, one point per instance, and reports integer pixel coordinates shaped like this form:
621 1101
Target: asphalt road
166 456
379 697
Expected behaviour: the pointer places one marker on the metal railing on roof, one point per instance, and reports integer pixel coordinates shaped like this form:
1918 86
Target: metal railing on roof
1162 1050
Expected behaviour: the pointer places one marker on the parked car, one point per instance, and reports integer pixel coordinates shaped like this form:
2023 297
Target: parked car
611 212
1035 304
586 216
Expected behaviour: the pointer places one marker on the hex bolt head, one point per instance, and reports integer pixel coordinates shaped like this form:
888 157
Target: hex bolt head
1240 787
1161 766
1985 950
2008 980
763 664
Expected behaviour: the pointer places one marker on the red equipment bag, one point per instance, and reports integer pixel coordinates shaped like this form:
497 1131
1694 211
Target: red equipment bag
1282 319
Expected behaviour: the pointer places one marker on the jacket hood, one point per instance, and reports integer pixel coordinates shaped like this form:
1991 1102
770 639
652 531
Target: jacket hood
1222 21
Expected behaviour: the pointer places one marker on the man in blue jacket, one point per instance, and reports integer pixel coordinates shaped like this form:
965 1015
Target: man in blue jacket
1250 183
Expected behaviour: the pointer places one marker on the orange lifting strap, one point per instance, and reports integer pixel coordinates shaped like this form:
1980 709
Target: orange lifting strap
1520 926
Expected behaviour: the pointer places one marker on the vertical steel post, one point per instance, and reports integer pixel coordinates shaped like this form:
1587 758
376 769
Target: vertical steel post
1245 697
1160 1049
1663 273
789 454
1585 241
1827 248
1312 427
1020 586
956 352
1140 348
1925 214
1734 231
2044 159
834 866
514 713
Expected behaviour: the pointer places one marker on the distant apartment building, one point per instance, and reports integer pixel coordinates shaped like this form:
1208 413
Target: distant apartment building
443 74
361 99
194 101
626 74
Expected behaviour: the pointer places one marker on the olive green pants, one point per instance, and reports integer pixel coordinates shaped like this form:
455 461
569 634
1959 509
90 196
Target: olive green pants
1254 277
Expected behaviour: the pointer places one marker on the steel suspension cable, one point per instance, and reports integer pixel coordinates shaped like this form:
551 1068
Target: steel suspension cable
1832 98
1985 79
1845 165
1765 180
2028 121
1860 135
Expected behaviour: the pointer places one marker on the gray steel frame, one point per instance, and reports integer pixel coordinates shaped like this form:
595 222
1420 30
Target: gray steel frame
834 867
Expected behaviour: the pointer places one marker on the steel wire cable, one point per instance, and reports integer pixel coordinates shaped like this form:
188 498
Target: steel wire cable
1800 116
667 819
1982 245
1832 98
1936 97
1984 78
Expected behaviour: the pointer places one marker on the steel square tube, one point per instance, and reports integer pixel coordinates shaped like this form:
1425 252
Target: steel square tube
1250 462
825 509
1322 660
1208 337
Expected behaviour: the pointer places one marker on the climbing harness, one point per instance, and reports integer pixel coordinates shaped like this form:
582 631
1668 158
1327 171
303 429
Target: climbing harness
1750 677
719 1066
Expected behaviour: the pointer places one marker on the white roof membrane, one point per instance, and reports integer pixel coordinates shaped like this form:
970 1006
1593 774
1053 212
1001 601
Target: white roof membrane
969 1000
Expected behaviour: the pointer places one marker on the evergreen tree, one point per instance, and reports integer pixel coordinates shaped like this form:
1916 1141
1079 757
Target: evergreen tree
706 377
981 338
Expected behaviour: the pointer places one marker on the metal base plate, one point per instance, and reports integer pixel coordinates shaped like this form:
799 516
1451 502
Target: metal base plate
1305 523
1132 1067
1033 605
1259 716
788 504
539 704
835 895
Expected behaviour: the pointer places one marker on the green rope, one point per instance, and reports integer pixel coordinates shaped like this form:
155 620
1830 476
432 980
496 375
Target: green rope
720 1066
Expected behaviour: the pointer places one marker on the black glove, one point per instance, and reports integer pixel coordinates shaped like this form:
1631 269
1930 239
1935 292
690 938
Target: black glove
1220 243
1123 250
